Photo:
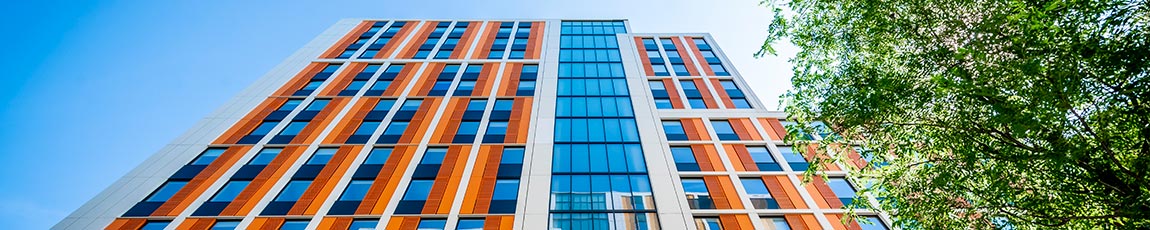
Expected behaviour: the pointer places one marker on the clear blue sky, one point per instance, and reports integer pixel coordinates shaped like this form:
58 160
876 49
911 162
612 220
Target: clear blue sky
92 88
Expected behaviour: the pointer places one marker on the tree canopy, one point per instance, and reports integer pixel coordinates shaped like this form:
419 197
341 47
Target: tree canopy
986 114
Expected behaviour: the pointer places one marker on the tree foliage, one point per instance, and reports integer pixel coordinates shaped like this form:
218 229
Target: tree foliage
988 113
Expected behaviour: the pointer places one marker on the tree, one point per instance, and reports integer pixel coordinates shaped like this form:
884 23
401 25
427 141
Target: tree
987 113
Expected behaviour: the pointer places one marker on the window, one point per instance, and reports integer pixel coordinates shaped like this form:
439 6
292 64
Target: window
378 156
363 224
684 159
155 225
293 190
763 158
659 92
757 191
466 132
356 190
497 128
321 156
230 191
293 128
393 132
796 161
469 224
317 105
265 156
431 224
366 128
264 128
294 225
226 225
724 130
776 223
736 95
166 191
708 223
697 195
663 104
842 190
660 69
674 131
872 223
680 69
506 190
311 86
208 156
418 190
719 70
290 105
694 97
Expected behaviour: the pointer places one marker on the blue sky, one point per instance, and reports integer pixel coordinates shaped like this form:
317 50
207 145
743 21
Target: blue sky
92 88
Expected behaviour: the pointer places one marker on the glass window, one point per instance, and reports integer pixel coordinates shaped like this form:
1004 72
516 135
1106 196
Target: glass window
312 85
321 156
208 156
396 128
697 195
230 191
293 190
433 156
724 130
166 191
418 190
264 128
431 224
674 130
155 225
841 188
796 161
512 156
366 128
506 190
356 190
265 156
225 225
776 223
663 104
757 191
293 128
290 104
294 225
378 156
763 158
497 128
317 105
709 223
684 159
356 85
657 85
363 225
470 224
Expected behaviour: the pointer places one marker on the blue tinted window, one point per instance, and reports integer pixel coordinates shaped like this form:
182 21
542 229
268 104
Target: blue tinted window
872 223
384 105
293 190
476 105
468 128
321 156
497 128
797 162
317 105
760 154
418 190
356 190
708 224
264 128
683 155
411 104
208 156
841 187
778 223
225 225
294 128
396 128
312 85
363 225
505 190
294 225
674 130
695 186
265 156
290 104
378 156
166 191
512 156
470 224
431 224
433 156
155 225
724 130
366 128
230 191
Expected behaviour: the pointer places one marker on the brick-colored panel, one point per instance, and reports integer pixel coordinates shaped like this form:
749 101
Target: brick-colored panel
412 46
811 154
695 129
347 39
393 45
736 221
499 223
264 181
686 57
421 122
196 187
486 80
673 94
510 83
520 123
321 120
426 80
723 192
707 157
126 224
335 222
343 79
405 76
465 43
196 224
836 222
699 57
774 128
447 181
823 195
481 185
449 122
723 96
483 46
802 221
401 223
535 42
706 93
745 129
300 79
351 121
648 69
245 125
784 192
385 184
325 182
266 223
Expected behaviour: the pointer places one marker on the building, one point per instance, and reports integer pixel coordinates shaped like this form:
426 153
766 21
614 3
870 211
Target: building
484 124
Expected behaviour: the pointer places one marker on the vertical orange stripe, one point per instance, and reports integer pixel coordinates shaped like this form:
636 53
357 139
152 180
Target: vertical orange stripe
706 92
723 96
348 39
673 93
699 55
535 45
426 80
405 76
486 80
351 122
483 47
321 120
686 57
774 128
395 41
249 197
465 42
648 69
413 45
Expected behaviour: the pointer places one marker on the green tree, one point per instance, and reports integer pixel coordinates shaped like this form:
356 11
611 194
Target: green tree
988 113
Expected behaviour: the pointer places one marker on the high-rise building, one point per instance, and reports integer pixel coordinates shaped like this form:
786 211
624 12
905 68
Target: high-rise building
485 124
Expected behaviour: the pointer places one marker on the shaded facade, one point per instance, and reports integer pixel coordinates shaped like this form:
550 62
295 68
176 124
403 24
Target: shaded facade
484 124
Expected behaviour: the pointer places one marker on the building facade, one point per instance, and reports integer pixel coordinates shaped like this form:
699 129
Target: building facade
485 124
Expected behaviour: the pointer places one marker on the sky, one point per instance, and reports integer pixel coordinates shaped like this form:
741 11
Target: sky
92 88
